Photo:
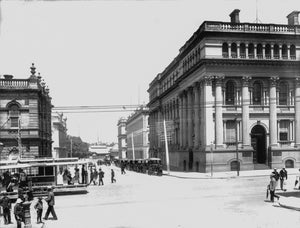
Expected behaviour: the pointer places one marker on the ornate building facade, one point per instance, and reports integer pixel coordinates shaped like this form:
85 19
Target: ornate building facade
233 95
25 117
137 132
59 135
122 138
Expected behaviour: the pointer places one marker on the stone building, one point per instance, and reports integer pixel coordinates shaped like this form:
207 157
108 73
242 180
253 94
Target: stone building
137 132
122 138
233 94
25 117
59 135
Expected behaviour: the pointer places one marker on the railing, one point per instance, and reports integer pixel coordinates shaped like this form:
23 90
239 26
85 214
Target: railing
249 27
14 83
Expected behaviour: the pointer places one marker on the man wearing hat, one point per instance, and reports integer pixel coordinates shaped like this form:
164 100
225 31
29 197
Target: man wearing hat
19 212
282 176
39 210
50 200
6 205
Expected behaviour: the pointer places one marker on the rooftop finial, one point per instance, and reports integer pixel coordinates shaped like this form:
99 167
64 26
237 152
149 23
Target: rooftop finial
32 69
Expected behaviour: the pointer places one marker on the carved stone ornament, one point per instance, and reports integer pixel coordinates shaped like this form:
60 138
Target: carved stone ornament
274 80
246 80
297 79
207 80
219 79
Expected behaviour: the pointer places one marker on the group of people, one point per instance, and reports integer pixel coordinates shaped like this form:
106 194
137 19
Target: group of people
9 180
99 175
19 210
276 176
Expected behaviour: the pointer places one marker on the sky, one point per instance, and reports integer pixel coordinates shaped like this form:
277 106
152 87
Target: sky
106 52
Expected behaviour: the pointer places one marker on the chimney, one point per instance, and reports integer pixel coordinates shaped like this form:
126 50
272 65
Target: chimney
8 77
234 16
293 18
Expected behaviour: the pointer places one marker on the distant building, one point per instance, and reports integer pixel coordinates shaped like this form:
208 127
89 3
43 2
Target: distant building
122 138
99 150
233 89
137 132
25 117
114 151
59 135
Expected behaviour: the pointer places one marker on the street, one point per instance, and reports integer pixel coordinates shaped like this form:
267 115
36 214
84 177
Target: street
138 200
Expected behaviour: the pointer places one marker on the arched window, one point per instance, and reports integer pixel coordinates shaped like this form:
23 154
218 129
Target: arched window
251 51
284 51
259 51
14 114
229 93
292 51
242 50
233 50
257 93
283 93
225 50
268 51
276 51
234 166
289 163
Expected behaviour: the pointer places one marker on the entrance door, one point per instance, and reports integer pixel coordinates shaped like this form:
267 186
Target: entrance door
258 142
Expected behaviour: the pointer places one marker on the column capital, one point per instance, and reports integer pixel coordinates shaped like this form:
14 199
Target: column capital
207 80
274 80
246 80
219 79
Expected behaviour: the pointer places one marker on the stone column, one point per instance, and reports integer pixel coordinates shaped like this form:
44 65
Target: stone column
273 111
196 117
184 120
245 110
218 111
207 125
297 112
189 117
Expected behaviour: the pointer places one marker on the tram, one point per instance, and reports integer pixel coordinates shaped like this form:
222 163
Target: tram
43 173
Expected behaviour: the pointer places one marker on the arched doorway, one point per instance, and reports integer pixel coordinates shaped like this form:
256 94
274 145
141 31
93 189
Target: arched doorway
258 142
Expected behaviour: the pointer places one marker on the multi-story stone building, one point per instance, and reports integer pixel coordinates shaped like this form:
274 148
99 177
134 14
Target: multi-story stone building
25 117
59 135
122 138
231 82
137 132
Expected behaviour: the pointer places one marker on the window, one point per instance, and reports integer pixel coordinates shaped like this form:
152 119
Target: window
225 50
292 51
268 51
230 131
283 94
259 51
14 122
284 127
242 50
233 50
276 51
284 52
251 51
257 93
14 115
230 90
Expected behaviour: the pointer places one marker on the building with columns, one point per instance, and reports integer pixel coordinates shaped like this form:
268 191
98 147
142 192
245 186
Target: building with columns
137 132
25 117
122 138
59 135
232 95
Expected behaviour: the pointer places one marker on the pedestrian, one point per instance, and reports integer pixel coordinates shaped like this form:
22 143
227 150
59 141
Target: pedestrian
297 181
101 176
123 168
39 210
76 176
19 212
83 175
276 175
51 202
22 179
6 206
283 175
113 176
273 188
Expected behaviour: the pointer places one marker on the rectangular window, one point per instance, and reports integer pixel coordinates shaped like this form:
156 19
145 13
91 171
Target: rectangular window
14 122
284 128
230 131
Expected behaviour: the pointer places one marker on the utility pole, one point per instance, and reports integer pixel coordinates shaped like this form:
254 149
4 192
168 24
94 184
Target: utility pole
237 148
132 144
19 140
71 147
211 159
166 146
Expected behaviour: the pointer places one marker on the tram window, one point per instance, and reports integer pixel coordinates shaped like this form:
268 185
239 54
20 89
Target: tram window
49 170
41 171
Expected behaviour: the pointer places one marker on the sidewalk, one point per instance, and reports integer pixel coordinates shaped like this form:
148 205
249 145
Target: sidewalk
229 174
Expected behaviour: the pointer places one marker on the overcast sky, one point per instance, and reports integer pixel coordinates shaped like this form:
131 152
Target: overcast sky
107 52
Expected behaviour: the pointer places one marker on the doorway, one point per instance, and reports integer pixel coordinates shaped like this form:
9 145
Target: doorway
258 142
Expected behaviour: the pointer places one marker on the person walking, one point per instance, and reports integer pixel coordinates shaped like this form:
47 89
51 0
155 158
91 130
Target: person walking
113 176
283 175
273 188
276 176
19 212
51 202
39 210
101 176
83 174
6 205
